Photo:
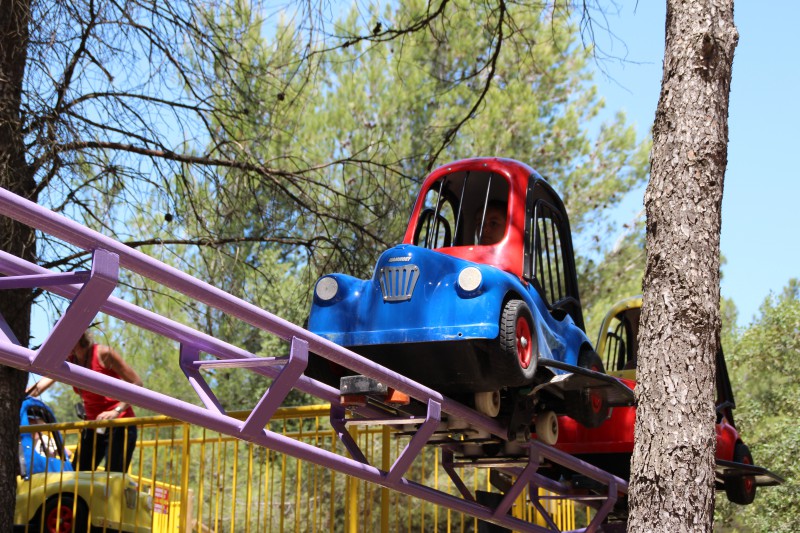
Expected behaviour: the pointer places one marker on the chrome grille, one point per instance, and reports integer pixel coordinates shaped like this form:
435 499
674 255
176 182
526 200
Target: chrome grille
397 283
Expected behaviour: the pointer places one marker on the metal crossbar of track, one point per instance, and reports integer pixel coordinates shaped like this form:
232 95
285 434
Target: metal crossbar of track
90 294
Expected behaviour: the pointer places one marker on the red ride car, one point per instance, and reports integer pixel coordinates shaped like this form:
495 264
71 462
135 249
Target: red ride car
610 445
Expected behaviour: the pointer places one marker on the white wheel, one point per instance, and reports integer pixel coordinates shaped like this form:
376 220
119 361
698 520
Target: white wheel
488 403
547 427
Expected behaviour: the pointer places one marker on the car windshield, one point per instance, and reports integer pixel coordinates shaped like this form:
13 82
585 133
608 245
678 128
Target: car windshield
463 209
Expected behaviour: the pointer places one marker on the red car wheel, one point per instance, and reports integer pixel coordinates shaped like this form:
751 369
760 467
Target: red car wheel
518 343
741 490
60 518
523 342
588 407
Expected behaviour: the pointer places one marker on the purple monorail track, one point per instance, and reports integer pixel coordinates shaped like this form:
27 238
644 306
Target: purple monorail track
90 294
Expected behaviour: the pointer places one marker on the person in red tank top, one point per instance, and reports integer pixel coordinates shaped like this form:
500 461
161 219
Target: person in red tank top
117 444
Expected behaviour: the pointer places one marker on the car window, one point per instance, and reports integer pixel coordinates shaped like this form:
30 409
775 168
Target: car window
548 256
616 346
463 209
621 342
437 221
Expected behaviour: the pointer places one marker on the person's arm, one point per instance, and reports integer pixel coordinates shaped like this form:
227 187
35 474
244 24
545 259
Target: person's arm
112 360
39 387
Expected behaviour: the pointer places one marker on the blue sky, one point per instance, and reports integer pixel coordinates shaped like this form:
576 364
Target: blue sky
761 199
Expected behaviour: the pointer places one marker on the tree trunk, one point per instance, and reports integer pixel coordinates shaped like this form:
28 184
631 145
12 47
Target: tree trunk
672 478
15 306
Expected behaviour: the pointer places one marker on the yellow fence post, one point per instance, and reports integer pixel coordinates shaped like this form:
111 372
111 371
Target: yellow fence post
386 463
351 505
185 522
351 497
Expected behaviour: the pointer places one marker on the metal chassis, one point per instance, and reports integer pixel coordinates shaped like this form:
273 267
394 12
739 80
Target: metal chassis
90 294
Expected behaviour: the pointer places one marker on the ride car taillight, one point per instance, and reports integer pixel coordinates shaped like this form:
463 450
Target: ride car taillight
131 497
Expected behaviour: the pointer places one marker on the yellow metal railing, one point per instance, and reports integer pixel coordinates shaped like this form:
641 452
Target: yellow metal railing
193 479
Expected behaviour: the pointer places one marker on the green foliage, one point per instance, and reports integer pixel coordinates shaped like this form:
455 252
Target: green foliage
615 276
406 97
764 365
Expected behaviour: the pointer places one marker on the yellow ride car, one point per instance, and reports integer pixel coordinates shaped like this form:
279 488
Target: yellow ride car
52 498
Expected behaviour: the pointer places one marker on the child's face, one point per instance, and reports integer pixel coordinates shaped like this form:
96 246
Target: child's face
494 226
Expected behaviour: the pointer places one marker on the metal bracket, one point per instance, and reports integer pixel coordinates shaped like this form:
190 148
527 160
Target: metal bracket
102 280
417 442
409 453
284 382
447 464
337 418
281 386
189 356
522 480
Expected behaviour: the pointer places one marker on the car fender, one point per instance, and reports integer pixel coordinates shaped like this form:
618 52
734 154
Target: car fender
104 494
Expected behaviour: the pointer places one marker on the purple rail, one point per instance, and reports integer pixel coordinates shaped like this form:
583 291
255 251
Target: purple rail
90 294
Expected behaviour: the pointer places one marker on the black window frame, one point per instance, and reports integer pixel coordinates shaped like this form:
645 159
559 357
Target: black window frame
542 202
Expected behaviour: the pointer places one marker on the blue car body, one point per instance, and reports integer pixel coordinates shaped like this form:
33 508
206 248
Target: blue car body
414 316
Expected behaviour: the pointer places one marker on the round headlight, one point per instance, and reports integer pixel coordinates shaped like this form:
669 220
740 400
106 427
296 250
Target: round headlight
470 279
327 288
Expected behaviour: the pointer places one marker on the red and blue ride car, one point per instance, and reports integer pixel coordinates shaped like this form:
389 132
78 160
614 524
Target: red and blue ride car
479 296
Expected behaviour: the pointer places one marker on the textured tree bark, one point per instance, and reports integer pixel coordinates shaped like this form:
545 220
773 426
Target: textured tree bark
15 306
672 479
